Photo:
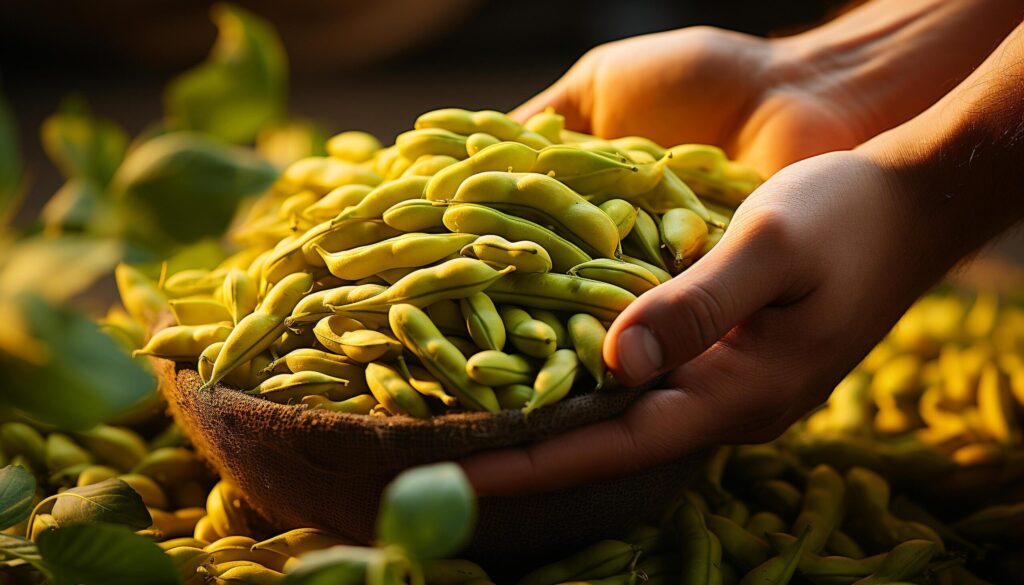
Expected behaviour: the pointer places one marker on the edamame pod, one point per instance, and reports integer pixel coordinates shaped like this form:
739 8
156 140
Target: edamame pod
822 507
333 203
479 219
597 561
191 283
662 275
320 174
416 143
514 397
139 295
554 380
314 307
526 256
257 331
486 328
442 359
286 388
503 157
671 193
457 120
404 251
328 331
496 368
198 311
239 294
741 547
353 146
683 232
447 315
596 174
622 213
701 551
624 275
415 215
184 342
561 292
313 360
548 124
453 279
547 201
711 174
364 345
528 335
360 404
423 382
556 324
478 141
587 336
391 390
382 198
429 165
640 143
644 241
239 377
778 570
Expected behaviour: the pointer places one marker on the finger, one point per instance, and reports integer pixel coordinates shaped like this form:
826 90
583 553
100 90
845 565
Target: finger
678 320
562 99
704 408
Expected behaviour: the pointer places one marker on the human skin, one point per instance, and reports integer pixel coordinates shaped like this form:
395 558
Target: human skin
816 267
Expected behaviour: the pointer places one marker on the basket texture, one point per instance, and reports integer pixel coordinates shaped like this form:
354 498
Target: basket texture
305 467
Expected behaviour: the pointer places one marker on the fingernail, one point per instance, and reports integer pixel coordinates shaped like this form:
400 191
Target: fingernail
639 353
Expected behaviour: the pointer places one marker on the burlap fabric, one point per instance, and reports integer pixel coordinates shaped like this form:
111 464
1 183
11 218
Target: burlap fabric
301 467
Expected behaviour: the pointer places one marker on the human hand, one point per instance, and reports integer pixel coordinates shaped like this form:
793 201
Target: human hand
751 96
816 267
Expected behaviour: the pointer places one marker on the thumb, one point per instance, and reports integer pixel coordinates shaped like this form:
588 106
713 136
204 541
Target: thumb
675 322
563 99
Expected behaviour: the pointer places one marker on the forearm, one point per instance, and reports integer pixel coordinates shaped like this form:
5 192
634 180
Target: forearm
888 60
959 166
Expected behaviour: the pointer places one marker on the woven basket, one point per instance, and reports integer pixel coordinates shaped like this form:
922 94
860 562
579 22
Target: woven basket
305 467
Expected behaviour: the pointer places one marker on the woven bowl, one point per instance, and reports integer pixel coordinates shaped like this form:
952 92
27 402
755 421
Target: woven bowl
300 467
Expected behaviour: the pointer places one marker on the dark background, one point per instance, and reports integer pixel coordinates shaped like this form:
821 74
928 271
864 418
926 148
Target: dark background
354 65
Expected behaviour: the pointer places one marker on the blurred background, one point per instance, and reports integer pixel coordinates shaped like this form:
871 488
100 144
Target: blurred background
354 65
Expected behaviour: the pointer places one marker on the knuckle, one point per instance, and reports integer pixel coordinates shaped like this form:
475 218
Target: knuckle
697 313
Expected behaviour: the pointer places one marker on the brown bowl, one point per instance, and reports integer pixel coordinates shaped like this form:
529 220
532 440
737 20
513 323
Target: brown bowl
304 467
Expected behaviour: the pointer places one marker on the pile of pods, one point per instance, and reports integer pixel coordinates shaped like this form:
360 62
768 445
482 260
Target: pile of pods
473 266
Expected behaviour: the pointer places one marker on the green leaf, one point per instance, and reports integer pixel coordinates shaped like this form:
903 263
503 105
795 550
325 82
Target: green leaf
240 87
16 548
104 554
112 501
82 378
338 565
82 145
17 488
55 268
11 167
181 187
75 207
429 511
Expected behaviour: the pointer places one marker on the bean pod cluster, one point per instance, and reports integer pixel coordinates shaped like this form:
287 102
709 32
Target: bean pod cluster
474 265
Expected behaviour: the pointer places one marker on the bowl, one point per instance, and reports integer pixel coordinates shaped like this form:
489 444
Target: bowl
300 467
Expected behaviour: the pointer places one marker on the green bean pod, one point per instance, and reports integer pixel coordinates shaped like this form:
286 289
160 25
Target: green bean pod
501 157
701 552
479 219
415 215
526 256
624 275
496 368
545 200
554 380
587 335
442 359
600 560
514 397
391 390
404 251
486 328
683 232
285 388
416 143
623 213
560 292
528 335
199 311
906 561
184 342
454 279
257 331
644 241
